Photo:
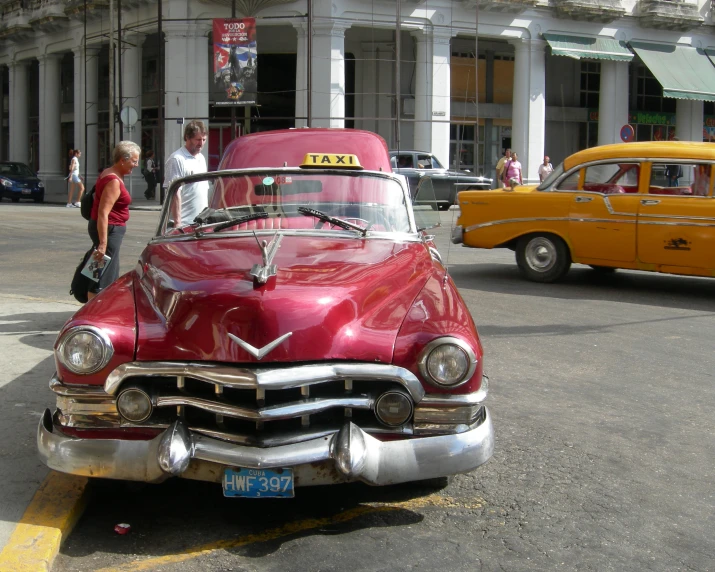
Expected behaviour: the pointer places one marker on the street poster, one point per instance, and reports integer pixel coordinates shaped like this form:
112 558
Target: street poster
235 79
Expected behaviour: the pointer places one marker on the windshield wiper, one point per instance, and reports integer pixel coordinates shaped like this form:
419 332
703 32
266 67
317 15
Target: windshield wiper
239 220
332 220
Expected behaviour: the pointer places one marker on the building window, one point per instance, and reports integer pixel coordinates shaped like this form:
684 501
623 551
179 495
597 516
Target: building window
150 75
466 147
590 84
649 93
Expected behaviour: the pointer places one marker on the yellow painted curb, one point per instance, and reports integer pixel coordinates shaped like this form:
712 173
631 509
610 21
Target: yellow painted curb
51 515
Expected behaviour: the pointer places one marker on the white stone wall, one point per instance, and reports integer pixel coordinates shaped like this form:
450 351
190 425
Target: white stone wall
546 97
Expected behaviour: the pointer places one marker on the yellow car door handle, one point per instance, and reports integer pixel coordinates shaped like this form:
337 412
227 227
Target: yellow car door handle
584 199
649 202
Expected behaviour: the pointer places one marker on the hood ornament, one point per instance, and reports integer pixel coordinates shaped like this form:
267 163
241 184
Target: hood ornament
262 352
268 251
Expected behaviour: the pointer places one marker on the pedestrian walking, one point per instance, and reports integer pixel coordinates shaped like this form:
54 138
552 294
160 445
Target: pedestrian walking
545 169
512 172
75 180
150 176
501 163
190 199
110 212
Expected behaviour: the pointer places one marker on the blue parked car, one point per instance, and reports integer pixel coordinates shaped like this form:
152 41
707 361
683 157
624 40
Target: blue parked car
17 181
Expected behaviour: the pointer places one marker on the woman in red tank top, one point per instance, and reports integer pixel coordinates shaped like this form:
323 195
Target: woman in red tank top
110 212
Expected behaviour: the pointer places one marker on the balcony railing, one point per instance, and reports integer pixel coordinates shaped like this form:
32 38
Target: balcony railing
677 15
589 10
47 15
15 22
507 6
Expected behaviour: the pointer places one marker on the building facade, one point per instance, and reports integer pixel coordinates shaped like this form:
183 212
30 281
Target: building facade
463 79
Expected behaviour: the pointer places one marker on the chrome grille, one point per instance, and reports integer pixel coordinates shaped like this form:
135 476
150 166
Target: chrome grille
219 407
266 407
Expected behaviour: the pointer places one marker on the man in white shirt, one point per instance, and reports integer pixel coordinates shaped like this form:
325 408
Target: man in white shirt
545 169
191 199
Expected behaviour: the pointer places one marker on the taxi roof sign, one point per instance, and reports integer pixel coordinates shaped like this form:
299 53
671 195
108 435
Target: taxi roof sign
330 161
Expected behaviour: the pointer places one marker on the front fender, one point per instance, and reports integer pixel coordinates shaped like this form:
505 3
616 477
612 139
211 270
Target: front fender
114 312
438 311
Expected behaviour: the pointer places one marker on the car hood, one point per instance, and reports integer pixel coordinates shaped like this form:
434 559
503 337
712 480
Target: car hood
339 299
22 179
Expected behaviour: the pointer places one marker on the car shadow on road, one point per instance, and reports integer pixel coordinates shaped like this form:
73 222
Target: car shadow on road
22 401
584 283
180 516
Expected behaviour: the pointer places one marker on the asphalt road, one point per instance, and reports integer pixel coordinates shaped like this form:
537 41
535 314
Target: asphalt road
603 402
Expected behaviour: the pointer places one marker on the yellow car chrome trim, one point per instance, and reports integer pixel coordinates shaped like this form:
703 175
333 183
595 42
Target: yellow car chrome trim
645 215
657 223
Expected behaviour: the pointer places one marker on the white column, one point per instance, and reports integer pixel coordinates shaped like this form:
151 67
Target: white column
432 94
689 120
132 84
132 97
19 114
2 108
85 111
328 70
301 75
369 91
529 106
50 124
186 81
385 62
613 101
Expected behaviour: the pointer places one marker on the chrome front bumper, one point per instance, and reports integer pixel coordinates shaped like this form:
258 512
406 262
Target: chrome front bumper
348 455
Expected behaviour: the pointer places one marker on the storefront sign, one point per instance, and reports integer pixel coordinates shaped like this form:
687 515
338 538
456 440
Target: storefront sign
235 69
651 118
641 117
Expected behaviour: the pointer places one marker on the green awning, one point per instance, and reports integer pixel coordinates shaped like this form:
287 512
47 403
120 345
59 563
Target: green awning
588 48
684 72
710 52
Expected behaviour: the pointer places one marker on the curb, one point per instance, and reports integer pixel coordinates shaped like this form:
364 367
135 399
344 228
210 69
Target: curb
48 520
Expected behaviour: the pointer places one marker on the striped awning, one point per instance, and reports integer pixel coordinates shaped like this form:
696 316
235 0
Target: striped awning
579 47
684 72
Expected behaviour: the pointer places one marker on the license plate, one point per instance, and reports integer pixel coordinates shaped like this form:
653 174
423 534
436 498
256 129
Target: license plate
26 191
258 483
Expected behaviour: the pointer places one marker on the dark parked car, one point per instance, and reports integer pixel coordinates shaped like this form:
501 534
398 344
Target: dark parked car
446 183
17 181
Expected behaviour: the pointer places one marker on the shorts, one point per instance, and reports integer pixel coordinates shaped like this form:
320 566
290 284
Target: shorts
74 178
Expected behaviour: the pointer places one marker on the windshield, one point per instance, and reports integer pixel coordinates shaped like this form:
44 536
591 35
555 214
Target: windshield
295 200
10 169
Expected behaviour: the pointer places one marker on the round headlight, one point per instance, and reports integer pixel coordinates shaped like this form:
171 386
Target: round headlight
85 350
134 405
447 362
41 185
393 408
6 182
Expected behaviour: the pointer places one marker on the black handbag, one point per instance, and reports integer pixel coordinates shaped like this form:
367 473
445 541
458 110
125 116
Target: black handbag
80 283
86 204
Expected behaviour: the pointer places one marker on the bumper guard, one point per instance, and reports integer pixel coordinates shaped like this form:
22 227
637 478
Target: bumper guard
348 455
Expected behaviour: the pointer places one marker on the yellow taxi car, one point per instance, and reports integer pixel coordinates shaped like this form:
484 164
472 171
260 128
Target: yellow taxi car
644 206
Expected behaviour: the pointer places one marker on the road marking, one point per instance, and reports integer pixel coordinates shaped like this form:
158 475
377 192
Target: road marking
49 518
292 528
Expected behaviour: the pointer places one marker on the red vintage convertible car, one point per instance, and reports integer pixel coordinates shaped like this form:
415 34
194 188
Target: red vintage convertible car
302 330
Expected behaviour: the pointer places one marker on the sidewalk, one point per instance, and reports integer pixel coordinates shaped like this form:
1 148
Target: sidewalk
139 203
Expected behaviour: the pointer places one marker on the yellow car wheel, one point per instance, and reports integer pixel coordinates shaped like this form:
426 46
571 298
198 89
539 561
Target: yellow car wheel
542 257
